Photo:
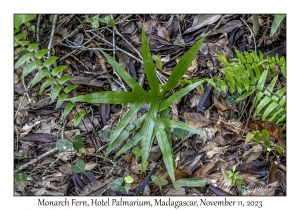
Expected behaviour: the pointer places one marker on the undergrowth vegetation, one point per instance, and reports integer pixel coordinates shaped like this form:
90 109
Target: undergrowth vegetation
248 75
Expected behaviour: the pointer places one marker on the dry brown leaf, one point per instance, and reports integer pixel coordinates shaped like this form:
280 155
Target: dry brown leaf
268 190
90 166
253 153
221 104
179 192
205 170
201 21
155 153
162 32
196 119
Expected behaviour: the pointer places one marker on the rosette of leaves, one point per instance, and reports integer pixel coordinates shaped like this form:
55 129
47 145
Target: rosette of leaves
156 122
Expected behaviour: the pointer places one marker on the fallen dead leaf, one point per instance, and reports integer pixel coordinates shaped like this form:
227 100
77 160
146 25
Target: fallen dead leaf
205 170
196 119
90 166
179 192
253 153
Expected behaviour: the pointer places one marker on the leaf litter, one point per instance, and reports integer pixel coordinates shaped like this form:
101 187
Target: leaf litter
37 123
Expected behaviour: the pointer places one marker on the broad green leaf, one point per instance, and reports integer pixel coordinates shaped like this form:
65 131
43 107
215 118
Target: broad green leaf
270 108
180 133
167 152
23 59
279 149
249 137
137 152
126 119
63 144
46 84
78 167
55 92
265 134
159 181
57 70
176 96
63 79
69 88
78 142
128 179
39 77
23 43
222 59
20 36
262 80
19 19
50 61
32 47
183 65
108 97
32 66
105 20
68 109
189 182
276 23
41 53
149 125
116 183
20 177
79 116
222 84
60 100
134 85
177 124
149 66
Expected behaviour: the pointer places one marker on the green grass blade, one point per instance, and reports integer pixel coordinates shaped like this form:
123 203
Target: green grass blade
183 65
126 119
149 65
179 94
245 95
276 23
134 85
149 125
108 97
167 152
177 124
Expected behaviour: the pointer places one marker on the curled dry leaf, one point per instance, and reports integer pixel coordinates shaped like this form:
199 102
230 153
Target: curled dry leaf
221 103
253 153
201 21
90 166
162 32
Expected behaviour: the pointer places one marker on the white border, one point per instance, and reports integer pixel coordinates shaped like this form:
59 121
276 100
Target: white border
8 8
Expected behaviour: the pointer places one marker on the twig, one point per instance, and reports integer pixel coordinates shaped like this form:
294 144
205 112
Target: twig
38 24
260 41
250 32
52 34
35 160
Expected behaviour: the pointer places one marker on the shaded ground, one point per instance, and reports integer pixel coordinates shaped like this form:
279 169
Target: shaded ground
38 125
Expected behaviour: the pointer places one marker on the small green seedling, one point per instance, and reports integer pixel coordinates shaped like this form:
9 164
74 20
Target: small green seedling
233 176
117 184
159 182
20 177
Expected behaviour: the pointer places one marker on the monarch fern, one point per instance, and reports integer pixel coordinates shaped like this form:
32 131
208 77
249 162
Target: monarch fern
248 73
33 59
